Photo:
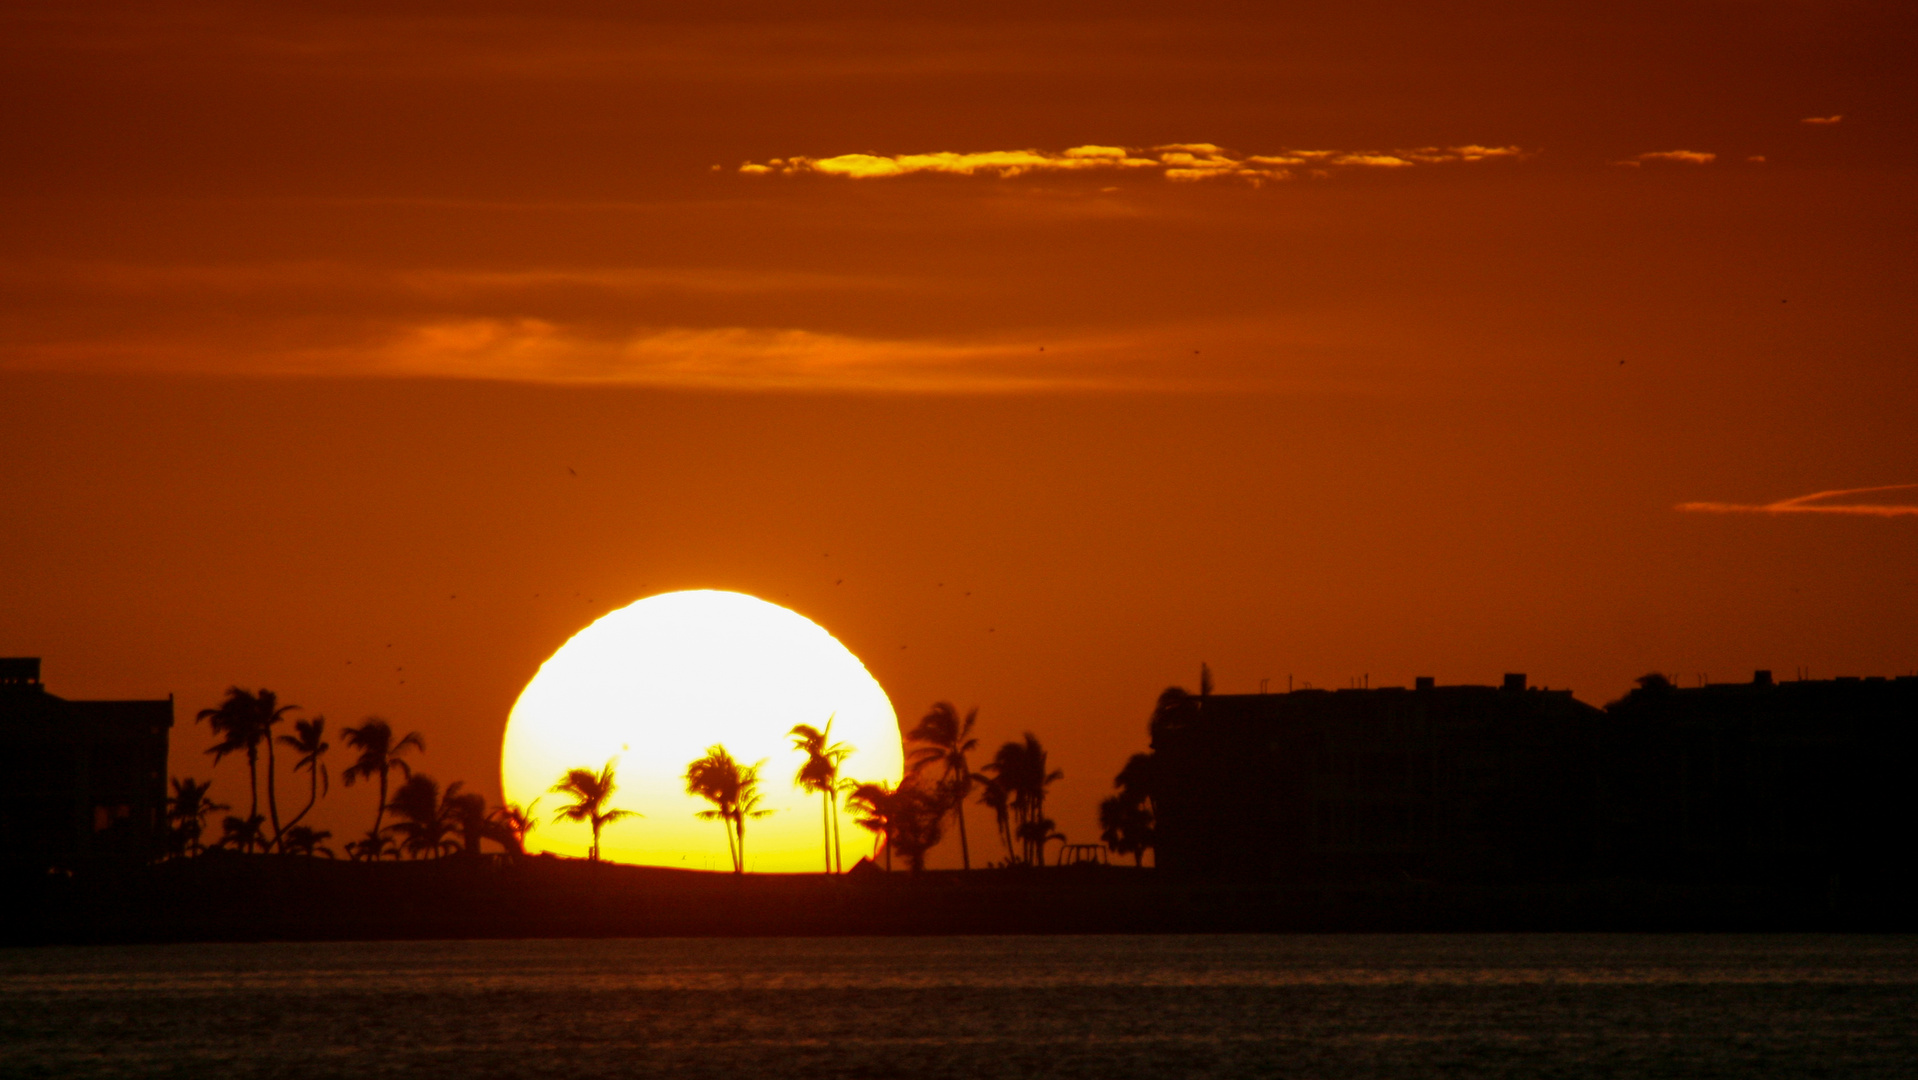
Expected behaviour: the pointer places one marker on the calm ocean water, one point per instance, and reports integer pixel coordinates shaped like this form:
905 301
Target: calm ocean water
1290 1006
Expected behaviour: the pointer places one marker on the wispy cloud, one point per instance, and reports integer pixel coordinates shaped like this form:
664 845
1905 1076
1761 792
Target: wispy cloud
1833 119
1173 161
1815 504
1684 157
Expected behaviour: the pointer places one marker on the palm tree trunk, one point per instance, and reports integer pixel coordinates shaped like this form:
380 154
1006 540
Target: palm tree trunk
739 866
965 853
312 798
253 785
379 812
272 798
825 820
838 861
593 855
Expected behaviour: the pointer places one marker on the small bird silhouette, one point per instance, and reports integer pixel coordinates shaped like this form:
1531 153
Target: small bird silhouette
571 473
840 580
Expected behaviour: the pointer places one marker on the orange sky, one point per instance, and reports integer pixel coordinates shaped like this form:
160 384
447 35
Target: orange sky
306 316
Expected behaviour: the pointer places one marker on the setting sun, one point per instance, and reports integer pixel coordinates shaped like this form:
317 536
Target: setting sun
651 686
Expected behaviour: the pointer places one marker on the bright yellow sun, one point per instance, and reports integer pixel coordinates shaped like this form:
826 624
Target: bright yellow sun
652 685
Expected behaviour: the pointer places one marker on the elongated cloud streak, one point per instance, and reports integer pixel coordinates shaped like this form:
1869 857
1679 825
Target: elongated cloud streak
1810 504
1685 157
1173 161
1839 118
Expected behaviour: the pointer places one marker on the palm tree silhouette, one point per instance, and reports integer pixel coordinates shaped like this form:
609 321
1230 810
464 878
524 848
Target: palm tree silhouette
243 721
466 812
1126 819
948 740
820 774
590 792
733 789
906 818
372 847
425 820
187 810
309 741
379 755
242 834
1021 767
302 840
996 796
508 825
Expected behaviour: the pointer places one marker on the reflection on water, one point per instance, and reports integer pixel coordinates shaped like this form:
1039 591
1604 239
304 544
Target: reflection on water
1332 1006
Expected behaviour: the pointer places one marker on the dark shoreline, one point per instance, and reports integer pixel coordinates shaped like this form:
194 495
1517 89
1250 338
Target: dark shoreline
268 898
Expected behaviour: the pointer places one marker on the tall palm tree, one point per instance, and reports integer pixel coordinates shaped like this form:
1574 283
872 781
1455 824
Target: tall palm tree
243 721
948 739
309 741
1023 769
187 810
590 791
425 820
379 756
820 774
733 789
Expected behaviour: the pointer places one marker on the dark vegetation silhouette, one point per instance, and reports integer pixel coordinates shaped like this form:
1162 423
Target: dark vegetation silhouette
1125 819
415 818
187 810
819 774
946 741
309 742
424 817
1022 773
379 755
590 793
733 789
242 723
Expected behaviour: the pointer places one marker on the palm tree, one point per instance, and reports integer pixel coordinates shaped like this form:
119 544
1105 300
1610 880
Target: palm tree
372 847
820 773
995 795
379 755
301 840
241 834
508 825
906 818
309 741
466 811
590 792
1126 819
1036 834
948 740
733 789
187 811
425 820
243 721
1021 767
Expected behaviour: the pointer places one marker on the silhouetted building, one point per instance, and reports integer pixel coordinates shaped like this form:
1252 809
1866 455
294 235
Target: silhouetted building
1448 781
1759 781
80 781
1762 780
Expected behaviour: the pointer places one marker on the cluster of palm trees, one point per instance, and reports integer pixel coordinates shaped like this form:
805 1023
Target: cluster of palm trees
939 781
428 822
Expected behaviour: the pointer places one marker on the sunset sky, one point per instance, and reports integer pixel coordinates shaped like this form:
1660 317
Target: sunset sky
1039 352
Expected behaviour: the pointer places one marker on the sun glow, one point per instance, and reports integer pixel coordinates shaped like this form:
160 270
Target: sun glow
653 685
